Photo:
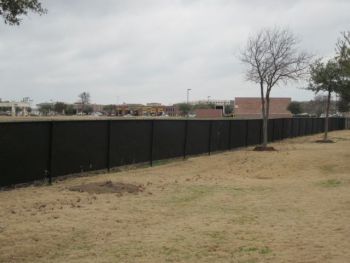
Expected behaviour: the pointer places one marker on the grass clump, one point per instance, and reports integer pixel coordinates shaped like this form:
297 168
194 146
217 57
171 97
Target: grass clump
331 183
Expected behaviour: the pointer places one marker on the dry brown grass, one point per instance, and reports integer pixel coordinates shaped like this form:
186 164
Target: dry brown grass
243 206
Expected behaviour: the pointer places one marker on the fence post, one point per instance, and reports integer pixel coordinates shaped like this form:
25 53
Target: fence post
50 159
185 139
152 139
210 135
109 127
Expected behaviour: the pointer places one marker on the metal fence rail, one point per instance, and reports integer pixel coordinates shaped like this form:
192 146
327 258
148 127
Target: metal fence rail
37 150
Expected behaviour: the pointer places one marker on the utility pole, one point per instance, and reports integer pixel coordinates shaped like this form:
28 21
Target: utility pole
188 95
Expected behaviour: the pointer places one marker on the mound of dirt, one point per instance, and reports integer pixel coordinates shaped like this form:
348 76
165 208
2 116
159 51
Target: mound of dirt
264 149
325 141
108 187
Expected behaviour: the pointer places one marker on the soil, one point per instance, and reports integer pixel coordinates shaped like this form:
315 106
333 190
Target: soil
325 141
264 149
108 187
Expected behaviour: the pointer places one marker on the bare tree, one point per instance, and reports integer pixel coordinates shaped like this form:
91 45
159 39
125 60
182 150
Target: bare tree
272 58
84 100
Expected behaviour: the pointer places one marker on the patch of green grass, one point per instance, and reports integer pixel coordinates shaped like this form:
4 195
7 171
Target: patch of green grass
265 251
162 162
331 183
248 249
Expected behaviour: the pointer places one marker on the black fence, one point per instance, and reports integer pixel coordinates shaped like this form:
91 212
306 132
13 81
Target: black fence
37 150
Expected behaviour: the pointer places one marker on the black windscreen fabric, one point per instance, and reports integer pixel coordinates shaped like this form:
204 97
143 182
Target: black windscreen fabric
254 132
330 124
270 129
79 146
197 137
24 152
319 125
314 126
169 139
302 127
277 129
238 133
220 139
341 124
130 142
287 128
295 127
308 128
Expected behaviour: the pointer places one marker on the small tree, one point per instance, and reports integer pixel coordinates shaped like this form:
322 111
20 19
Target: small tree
60 107
272 58
325 77
45 108
109 109
70 110
204 106
228 109
295 107
185 108
12 10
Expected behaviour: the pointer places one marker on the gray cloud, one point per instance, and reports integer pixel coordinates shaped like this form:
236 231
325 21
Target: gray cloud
153 50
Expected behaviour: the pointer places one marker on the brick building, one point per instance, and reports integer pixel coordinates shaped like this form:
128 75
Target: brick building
250 108
208 113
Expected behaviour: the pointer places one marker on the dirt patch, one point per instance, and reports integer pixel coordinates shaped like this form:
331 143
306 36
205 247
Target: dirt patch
264 149
325 141
108 187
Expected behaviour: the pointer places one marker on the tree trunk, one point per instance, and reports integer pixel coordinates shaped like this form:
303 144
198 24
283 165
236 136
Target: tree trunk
264 117
326 125
266 121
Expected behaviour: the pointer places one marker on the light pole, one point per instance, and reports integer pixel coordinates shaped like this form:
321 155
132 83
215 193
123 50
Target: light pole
188 95
209 99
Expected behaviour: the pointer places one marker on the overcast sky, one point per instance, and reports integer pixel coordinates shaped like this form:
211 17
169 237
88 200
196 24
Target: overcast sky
138 51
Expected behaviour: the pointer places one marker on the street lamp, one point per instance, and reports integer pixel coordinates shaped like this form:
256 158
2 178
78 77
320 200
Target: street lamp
188 95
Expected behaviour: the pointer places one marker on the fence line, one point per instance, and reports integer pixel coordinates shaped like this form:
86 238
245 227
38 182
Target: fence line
37 150
347 123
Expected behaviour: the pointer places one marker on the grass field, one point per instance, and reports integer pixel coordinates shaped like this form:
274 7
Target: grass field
243 206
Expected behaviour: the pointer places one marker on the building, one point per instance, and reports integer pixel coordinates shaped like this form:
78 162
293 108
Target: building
151 109
223 105
13 105
250 108
208 113
172 111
